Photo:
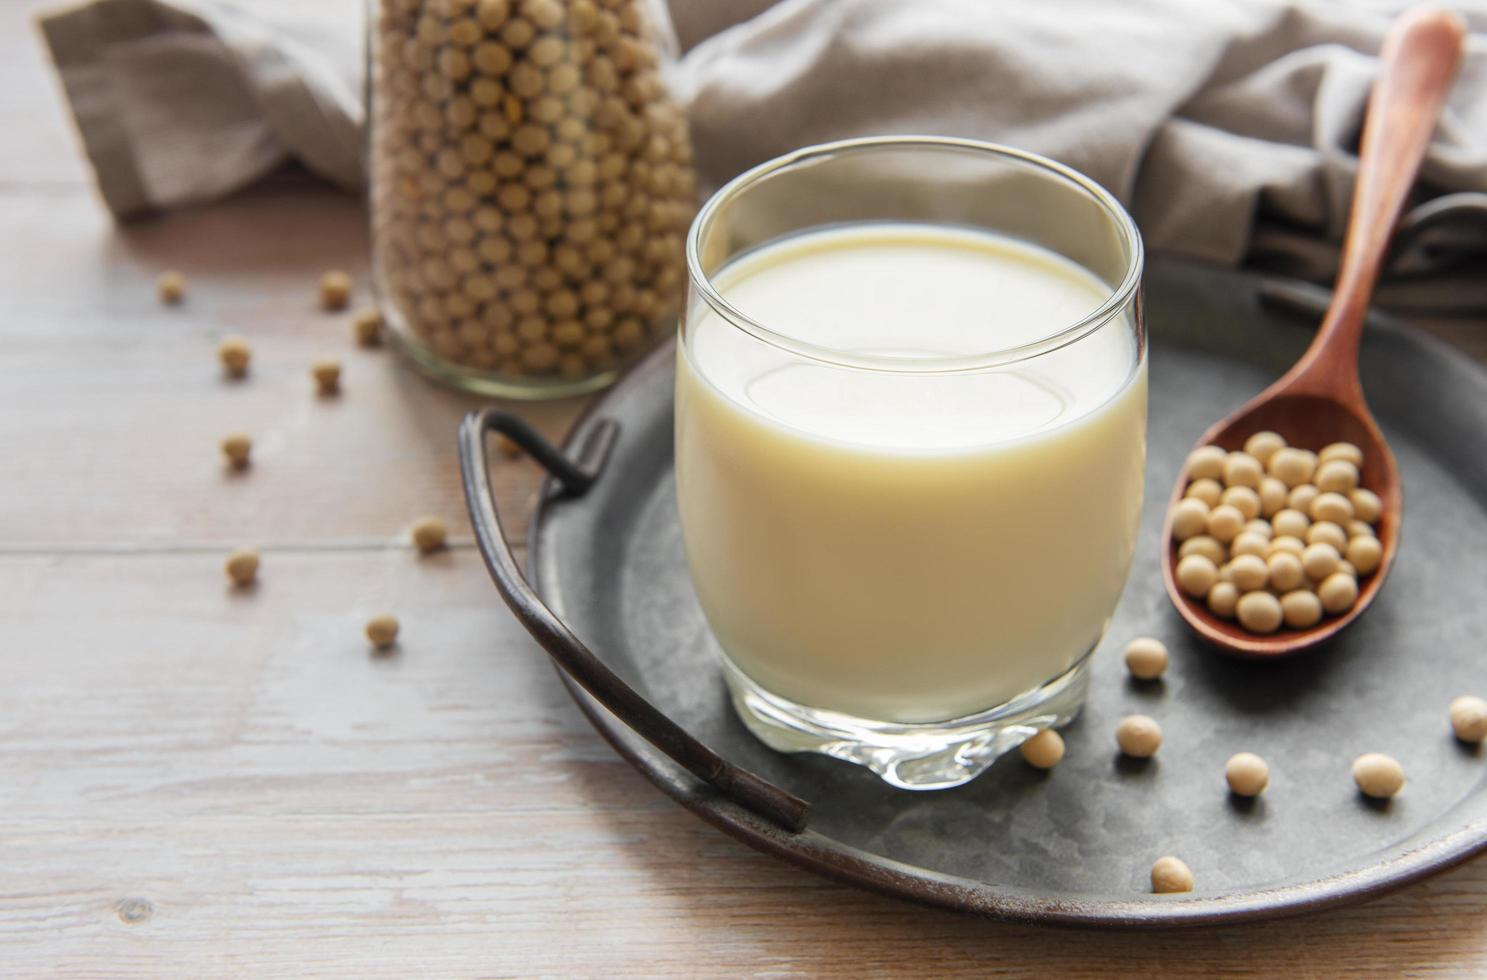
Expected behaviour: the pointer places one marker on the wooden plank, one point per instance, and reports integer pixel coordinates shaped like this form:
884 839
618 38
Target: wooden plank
210 783
109 398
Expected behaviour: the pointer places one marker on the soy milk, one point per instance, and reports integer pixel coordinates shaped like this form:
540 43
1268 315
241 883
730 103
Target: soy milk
901 545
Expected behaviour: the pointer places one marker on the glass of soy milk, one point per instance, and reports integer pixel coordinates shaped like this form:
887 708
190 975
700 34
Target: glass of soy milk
910 443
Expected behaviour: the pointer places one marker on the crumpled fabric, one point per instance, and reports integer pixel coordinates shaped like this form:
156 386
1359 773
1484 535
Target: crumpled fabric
1228 127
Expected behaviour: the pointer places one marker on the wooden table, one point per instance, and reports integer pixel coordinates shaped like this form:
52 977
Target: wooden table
198 782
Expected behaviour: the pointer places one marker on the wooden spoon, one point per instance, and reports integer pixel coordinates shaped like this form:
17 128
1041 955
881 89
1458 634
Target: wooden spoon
1320 400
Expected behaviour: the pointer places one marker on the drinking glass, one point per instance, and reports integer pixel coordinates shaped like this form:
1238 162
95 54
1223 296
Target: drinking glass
907 550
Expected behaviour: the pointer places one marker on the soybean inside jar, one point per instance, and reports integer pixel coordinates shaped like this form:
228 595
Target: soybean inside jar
531 188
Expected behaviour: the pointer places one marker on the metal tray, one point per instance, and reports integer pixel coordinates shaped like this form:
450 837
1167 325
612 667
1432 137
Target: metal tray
1073 846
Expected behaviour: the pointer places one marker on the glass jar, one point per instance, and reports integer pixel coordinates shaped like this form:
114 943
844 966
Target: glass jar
531 186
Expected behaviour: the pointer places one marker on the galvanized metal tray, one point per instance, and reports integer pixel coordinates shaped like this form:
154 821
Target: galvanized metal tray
1073 846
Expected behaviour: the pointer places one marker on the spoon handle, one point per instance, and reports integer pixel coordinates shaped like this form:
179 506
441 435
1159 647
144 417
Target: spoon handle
1420 56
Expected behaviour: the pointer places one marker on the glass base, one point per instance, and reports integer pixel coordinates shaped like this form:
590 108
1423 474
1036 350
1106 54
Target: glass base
933 755
491 383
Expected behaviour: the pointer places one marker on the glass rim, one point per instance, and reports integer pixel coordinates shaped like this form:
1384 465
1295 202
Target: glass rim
1120 296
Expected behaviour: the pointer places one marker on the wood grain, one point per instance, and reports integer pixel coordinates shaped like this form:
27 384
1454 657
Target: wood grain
122 402
198 782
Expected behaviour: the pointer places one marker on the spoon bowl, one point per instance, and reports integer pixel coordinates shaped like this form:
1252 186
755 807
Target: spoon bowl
1320 400
1308 421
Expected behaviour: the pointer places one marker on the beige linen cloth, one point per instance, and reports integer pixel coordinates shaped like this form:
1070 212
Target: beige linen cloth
1229 127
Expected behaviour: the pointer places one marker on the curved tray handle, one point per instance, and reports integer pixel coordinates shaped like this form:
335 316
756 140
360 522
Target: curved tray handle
574 478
